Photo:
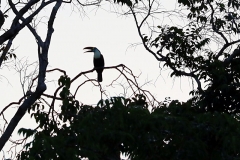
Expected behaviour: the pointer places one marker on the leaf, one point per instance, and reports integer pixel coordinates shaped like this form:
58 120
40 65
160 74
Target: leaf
145 39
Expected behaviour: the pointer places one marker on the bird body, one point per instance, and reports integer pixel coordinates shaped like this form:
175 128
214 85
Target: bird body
98 61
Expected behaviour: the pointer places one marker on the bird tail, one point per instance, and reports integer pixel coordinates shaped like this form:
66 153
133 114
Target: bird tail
99 77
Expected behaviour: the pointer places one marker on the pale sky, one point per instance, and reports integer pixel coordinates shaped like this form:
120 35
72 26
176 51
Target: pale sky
113 35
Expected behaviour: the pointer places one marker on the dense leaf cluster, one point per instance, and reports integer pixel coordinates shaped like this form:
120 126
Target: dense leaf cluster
125 126
188 51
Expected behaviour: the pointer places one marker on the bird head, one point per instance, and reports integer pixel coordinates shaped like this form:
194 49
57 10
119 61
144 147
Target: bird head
96 52
90 49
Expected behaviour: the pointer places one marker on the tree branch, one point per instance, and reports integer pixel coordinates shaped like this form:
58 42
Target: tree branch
41 86
213 25
5 51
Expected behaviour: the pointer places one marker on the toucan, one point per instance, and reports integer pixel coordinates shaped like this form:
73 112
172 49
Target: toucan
98 61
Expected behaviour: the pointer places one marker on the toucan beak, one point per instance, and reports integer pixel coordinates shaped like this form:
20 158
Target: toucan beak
90 49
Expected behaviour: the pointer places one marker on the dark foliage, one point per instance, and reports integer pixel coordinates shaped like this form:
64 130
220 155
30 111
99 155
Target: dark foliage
119 125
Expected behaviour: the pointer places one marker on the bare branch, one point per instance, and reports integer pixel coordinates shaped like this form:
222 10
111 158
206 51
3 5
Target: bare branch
41 86
142 38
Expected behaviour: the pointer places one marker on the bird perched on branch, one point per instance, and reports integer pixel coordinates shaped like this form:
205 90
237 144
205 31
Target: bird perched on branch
98 61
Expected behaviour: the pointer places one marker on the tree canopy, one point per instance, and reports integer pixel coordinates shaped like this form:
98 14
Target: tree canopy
118 125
